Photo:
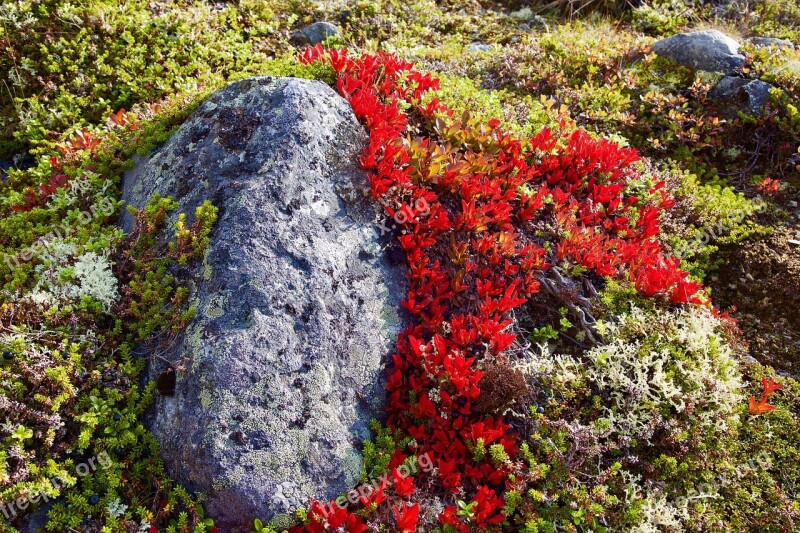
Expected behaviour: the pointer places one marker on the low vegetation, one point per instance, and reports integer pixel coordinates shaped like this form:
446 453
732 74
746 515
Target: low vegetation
591 349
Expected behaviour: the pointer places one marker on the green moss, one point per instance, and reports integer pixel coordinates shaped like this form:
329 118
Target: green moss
377 452
709 216
659 17
776 18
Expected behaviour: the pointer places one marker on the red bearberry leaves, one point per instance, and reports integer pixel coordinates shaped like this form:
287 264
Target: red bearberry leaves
477 252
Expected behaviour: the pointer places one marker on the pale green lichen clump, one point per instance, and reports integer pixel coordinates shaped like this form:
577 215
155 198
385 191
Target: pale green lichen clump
65 278
662 364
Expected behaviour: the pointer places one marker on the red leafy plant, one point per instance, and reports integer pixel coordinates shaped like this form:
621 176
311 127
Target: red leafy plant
502 211
769 386
768 186
37 197
71 149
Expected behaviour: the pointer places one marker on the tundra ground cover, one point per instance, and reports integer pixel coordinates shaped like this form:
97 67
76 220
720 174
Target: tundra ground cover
499 232
548 439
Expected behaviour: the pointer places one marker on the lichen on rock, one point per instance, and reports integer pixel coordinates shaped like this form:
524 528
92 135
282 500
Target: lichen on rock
708 50
285 354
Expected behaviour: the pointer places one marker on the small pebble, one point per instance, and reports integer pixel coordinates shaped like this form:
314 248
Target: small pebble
478 47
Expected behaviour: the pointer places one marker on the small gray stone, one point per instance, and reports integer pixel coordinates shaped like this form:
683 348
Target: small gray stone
770 42
5 164
478 47
750 360
708 50
36 521
315 33
17 161
740 94
286 353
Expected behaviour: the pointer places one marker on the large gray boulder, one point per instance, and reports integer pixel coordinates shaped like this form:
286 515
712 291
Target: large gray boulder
297 306
708 50
739 94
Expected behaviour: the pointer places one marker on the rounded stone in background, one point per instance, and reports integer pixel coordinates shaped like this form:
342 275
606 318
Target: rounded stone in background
315 33
770 42
708 50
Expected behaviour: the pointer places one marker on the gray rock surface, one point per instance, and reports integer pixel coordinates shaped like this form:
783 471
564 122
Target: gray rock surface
36 522
315 33
5 164
740 94
297 305
708 50
19 161
478 47
770 42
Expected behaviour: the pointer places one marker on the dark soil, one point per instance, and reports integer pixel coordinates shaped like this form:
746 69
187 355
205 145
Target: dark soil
761 278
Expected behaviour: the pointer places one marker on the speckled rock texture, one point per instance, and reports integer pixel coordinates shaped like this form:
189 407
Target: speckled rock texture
770 42
315 33
708 50
740 94
297 303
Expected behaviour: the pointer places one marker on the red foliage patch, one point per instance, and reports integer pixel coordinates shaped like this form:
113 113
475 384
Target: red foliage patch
70 150
36 198
769 387
502 211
